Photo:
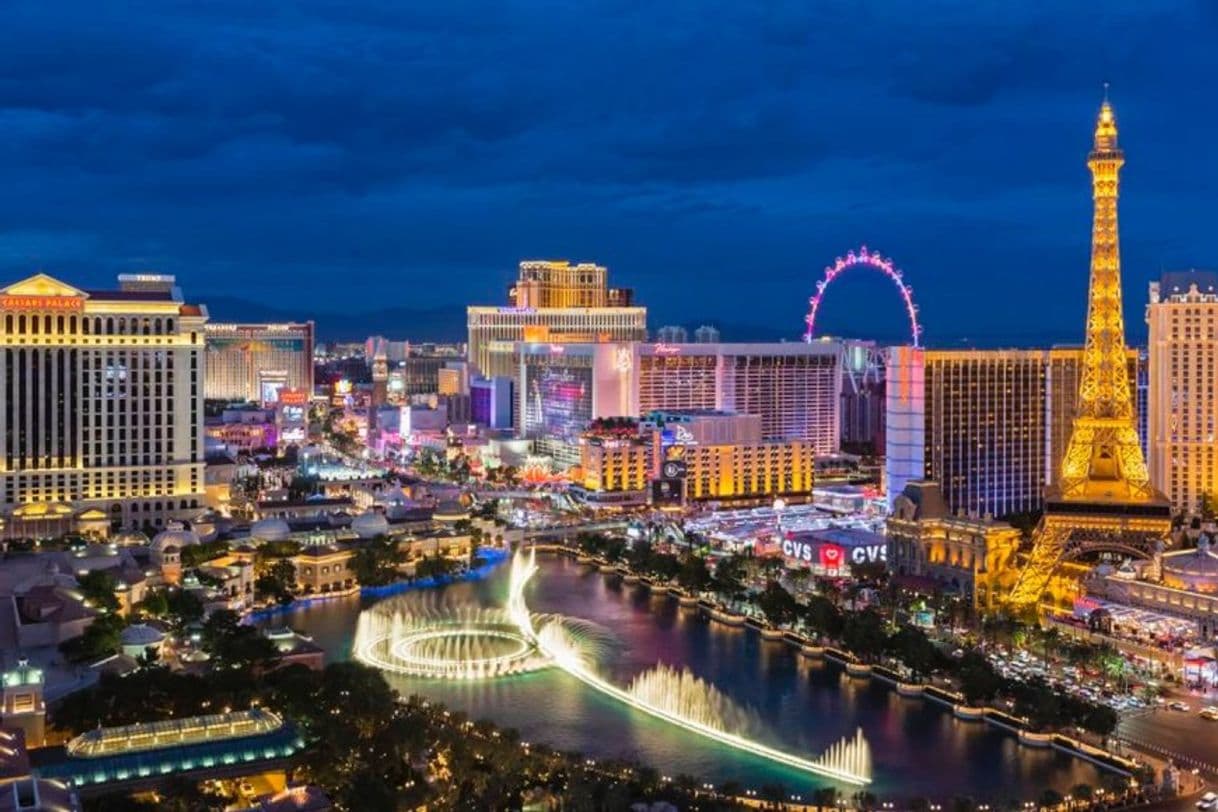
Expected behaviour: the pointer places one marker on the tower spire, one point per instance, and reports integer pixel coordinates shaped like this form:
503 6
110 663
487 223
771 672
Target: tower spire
1103 500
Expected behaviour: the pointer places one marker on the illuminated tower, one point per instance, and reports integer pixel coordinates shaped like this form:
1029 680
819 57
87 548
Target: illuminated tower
380 385
1103 501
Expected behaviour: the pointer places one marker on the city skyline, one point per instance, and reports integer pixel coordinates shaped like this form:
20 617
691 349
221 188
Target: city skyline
285 160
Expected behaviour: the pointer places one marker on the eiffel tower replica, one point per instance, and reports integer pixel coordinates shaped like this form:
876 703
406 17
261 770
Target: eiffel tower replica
1103 500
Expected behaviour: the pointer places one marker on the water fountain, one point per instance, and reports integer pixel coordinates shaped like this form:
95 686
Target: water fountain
464 643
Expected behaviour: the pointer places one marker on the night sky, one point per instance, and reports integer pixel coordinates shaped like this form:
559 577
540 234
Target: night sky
348 156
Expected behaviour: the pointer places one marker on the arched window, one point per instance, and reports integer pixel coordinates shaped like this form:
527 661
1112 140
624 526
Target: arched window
109 326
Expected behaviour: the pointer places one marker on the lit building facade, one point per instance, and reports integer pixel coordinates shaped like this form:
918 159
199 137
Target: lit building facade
795 388
990 426
986 428
552 302
1183 323
562 388
675 457
254 361
103 401
967 555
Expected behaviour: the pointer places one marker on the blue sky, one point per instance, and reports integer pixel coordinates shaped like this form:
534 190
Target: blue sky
353 155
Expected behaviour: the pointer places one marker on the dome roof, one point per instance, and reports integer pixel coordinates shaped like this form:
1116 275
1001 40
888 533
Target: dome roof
1192 569
270 530
450 510
141 634
370 524
175 537
130 538
205 526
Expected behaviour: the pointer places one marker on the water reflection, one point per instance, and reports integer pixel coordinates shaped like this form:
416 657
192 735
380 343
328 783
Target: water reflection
806 705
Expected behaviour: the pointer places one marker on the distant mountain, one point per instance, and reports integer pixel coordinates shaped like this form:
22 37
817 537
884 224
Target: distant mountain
424 324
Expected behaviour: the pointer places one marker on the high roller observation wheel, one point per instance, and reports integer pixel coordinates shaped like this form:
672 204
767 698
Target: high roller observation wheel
864 258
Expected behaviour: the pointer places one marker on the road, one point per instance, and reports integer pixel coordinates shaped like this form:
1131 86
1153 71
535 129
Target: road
1183 736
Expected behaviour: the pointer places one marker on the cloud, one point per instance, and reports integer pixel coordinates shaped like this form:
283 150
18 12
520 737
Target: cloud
417 151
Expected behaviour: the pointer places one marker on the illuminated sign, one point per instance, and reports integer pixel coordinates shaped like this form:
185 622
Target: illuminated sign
536 333
65 303
832 556
293 397
667 349
343 387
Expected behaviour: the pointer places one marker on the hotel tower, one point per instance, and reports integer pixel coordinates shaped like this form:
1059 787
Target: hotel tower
102 412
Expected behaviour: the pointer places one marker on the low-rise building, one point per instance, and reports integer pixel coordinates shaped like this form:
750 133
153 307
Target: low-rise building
969 555
324 570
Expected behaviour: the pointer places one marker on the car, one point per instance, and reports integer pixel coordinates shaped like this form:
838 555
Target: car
1209 714
1207 801
1178 706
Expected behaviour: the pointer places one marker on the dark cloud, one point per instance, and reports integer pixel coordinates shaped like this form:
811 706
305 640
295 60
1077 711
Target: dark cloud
710 152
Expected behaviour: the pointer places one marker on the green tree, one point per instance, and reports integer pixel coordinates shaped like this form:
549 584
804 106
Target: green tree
277 582
436 566
98 588
377 562
234 645
823 617
979 682
693 575
912 647
100 640
777 604
863 634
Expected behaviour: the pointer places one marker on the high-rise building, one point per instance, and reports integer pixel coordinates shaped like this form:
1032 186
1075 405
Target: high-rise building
1183 321
673 457
863 399
254 361
491 402
562 388
1104 500
102 407
794 387
672 334
990 426
986 426
553 302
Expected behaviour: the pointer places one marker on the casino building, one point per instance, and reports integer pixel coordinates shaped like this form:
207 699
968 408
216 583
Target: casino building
253 362
101 420
671 458
552 302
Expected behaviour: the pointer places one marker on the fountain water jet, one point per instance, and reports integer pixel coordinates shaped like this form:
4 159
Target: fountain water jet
486 643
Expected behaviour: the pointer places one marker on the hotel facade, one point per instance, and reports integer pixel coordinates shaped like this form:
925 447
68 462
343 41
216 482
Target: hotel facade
989 426
1183 328
102 419
793 389
253 362
552 302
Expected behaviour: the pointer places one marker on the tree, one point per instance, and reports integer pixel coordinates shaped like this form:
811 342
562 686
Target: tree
436 566
693 575
777 604
912 647
863 634
979 682
234 645
277 582
823 617
376 563
98 587
100 640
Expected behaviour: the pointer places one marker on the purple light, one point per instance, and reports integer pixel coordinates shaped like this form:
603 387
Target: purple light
872 260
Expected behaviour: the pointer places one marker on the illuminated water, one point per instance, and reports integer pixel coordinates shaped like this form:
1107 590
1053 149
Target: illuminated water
801 705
